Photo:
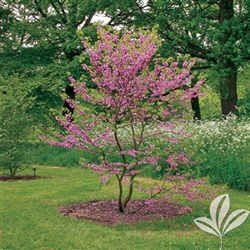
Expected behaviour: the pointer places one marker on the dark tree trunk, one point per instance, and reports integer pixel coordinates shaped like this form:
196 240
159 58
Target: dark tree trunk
71 95
196 108
227 68
229 93
195 105
69 90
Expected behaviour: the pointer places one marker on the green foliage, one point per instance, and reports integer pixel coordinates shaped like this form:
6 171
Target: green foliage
214 33
210 103
40 41
16 124
43 154
244 103
37 35
244 91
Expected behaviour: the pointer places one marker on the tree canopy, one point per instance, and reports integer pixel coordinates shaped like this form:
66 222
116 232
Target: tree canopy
39 38
216 33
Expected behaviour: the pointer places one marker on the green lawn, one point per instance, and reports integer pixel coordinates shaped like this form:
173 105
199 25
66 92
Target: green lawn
30 219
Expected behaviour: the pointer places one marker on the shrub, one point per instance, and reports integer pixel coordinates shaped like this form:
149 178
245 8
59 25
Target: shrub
15 125
221 148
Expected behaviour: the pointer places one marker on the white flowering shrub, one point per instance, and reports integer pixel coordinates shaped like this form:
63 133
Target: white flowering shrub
222 151
218 150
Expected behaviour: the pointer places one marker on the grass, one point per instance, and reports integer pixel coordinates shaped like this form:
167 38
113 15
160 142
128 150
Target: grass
30 219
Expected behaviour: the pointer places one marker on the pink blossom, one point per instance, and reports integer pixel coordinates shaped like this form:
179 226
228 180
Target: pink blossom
105 178
131 152
150 202
125 179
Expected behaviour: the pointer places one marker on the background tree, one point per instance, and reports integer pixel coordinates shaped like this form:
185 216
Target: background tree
215 32
39 40
16 126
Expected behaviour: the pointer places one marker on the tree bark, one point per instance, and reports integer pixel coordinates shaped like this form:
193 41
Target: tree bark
227 68
71 95
195 105
69 90
196 108
229 92
120 205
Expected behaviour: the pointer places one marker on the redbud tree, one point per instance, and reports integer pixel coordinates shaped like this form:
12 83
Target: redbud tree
135 91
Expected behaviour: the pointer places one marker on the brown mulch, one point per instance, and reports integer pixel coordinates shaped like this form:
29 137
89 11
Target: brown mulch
106 211
20 178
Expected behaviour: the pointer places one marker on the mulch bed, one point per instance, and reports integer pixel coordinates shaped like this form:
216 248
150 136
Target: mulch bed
20 178
106 211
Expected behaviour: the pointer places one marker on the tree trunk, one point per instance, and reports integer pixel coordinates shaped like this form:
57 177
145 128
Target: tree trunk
120 205
71 95
229 93
195 105
227 68
69 90
130 192
196 108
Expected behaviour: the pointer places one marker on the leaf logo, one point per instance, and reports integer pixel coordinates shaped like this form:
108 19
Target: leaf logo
218 216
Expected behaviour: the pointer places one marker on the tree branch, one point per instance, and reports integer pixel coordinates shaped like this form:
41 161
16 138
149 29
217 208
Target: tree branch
64 20
62 10
44 15
88 20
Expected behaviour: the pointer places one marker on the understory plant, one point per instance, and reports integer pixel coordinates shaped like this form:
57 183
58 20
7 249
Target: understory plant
221 148
134 94
16 125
